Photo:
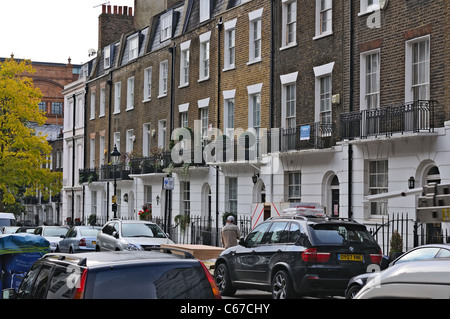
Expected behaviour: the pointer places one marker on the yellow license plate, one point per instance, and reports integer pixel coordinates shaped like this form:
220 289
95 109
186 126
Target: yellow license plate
350 257
94 242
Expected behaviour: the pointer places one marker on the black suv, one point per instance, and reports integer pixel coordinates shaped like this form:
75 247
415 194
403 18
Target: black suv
298 255
159 274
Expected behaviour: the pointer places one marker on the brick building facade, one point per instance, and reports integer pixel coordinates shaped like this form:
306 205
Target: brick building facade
340 92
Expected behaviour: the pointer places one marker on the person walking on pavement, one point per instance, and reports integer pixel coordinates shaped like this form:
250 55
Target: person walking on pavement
230 233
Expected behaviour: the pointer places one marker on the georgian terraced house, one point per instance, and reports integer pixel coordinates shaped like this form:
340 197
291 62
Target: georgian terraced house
334 103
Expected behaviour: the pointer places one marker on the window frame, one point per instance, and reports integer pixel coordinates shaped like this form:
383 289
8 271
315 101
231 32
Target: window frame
364 59
163 78
205 56
255 36
117 96
147 89
130 93
289 26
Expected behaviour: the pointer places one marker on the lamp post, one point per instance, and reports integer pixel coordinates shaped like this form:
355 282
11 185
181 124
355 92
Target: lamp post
115 155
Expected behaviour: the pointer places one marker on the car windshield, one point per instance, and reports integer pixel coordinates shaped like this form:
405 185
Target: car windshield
142 230
333 234
54 232
89 231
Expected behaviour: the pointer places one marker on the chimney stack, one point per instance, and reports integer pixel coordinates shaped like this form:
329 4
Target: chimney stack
113 22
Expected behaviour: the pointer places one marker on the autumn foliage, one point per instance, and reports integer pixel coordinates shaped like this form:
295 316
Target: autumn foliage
23 153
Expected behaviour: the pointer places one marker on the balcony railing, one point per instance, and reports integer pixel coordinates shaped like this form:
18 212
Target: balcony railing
149 165
305 136
121 172
88 175
417 116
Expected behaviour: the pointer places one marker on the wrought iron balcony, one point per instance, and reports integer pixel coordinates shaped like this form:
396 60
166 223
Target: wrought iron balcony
315 135
149 165
88 175
417 116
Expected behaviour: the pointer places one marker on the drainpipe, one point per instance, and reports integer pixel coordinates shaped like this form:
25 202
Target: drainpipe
73 154
219 28
272 82
350 146
110 84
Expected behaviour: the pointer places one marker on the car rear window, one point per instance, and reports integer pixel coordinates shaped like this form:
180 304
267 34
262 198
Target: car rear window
150 281
338 234
89 231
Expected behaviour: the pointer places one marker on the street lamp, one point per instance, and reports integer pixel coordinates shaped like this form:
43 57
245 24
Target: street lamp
115 155
255 178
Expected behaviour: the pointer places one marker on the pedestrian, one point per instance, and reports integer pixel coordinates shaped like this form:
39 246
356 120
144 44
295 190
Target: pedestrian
230 233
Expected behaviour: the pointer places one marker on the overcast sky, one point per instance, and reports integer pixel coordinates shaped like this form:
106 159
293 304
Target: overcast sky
51 30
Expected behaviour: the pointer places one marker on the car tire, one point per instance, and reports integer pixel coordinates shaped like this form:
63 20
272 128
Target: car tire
223 281
282 287
97 248
352 291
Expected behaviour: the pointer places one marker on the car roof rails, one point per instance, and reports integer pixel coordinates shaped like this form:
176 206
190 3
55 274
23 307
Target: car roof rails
80 261
342 219
169 250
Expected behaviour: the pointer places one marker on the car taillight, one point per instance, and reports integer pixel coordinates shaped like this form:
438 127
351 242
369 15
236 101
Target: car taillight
212 282
82 242
376 258
79 289
312 256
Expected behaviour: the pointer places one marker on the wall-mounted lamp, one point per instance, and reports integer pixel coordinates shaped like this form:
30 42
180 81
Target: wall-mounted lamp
255 178
411 183
125 197
157 199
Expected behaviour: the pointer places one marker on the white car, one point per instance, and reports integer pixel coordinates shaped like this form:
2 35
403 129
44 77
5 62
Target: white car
130 235
52 234
417 280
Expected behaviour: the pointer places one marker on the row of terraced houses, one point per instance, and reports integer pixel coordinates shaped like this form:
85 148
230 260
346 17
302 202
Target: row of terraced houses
253 106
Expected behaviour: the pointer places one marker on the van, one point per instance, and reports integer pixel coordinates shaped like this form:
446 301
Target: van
7 219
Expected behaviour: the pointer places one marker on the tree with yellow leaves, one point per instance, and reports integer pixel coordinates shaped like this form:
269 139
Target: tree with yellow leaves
23 154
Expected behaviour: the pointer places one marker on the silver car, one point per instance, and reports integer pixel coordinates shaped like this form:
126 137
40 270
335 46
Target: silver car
130 235
419 279
79 239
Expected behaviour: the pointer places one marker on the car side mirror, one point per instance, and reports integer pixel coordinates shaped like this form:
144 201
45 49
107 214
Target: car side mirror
241 241
62 236
9 293
115 234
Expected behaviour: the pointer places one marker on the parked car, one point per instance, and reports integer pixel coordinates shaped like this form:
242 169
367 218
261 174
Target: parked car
130 235
52 234
298 255
26 229
160 274
421 253
10 229
79 239
428 279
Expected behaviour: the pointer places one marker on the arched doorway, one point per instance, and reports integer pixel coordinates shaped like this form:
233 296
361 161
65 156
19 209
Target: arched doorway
335 195
206 201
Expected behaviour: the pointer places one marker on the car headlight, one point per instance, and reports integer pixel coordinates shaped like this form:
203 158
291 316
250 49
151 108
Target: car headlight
131 247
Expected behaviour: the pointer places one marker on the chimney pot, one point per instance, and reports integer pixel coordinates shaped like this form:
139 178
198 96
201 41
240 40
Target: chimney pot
125 10
120 10
109 9
115 9
103 8
130 11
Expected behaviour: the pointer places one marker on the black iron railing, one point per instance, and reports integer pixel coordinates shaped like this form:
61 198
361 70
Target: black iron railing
417 116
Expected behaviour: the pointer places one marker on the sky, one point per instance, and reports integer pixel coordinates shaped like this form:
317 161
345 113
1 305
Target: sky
51 30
